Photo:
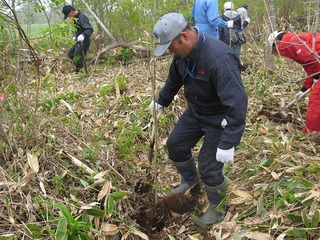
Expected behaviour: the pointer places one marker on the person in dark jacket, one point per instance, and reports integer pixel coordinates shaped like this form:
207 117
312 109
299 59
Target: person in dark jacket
217 105
238 25
299 47
82 35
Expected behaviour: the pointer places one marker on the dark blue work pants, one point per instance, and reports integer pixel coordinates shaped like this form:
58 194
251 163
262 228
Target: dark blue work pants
185 135
78 52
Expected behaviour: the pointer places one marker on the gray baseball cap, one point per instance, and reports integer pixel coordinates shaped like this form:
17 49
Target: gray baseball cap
166 29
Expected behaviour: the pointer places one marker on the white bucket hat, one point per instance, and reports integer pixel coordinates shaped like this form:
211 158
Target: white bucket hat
273 36
228 6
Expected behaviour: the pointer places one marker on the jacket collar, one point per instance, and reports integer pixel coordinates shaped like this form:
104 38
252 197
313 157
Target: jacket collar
200 42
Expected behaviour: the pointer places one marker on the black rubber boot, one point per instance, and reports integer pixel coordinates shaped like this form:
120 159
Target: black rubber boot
189 179
211 215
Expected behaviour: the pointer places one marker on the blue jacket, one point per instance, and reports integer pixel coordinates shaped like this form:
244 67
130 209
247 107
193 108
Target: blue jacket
216 87
205 13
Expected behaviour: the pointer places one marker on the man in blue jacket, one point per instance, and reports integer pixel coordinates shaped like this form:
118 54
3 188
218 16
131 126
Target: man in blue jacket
82 35
205 14
217 105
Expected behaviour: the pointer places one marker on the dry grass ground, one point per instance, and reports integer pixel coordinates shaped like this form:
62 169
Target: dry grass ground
83 139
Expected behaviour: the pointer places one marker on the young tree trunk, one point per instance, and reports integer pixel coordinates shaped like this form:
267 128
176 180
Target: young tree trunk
272 12
315 29
100 23
273 23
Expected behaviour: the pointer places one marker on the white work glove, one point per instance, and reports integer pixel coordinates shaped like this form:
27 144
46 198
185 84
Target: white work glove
80 38
225 156
224 123
298 96
247 19
157 106
314 82
230 24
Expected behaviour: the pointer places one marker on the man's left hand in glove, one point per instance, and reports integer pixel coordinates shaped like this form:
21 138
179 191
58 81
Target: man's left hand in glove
80 38
225 156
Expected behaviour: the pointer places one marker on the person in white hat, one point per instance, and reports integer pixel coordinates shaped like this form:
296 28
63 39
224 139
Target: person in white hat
298 47
243 12
236 40
217 105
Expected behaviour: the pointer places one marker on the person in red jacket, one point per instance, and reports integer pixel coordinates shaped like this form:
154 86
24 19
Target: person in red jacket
298 47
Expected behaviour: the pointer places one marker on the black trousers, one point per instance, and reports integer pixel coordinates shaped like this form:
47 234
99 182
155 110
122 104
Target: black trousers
78 52
187 133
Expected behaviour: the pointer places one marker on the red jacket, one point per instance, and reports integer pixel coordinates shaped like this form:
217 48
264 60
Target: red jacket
298 47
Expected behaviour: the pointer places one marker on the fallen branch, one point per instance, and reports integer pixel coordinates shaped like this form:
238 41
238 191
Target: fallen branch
301 79
116 45
284 108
